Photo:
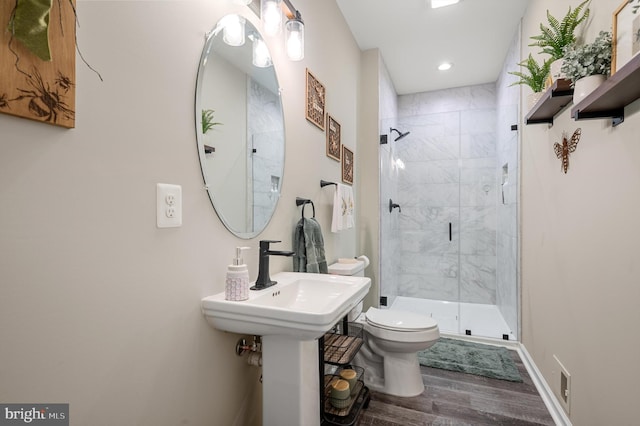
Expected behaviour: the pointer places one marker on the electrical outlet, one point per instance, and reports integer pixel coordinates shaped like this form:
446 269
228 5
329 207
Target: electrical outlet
563 380
168 205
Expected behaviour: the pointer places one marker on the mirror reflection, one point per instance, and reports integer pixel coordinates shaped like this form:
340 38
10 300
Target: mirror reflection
240 126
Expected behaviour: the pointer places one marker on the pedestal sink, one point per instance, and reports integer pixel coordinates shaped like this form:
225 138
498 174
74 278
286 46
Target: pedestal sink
290 316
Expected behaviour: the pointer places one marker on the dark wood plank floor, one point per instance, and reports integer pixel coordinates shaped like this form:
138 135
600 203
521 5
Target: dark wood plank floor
452 398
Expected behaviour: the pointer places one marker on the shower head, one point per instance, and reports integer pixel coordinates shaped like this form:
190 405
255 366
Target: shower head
400 134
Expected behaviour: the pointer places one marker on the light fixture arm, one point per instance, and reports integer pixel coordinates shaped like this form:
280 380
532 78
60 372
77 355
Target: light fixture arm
292 12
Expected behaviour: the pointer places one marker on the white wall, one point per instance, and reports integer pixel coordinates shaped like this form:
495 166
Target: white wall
98 307
226 168
580 233
367 169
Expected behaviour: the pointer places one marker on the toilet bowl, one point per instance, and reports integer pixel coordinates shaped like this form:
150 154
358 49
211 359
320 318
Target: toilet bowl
389 354
392 340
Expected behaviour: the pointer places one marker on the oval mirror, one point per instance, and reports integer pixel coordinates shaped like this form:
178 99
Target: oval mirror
239 126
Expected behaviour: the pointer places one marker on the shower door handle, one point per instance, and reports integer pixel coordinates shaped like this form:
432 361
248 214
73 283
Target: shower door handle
449 231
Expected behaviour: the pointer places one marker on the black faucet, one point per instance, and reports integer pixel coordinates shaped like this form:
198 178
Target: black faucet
264 280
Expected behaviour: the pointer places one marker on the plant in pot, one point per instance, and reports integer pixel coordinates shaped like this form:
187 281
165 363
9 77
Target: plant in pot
535 78
553 39
588 65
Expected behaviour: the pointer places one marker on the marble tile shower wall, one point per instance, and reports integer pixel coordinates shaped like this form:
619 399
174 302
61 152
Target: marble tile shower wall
449 175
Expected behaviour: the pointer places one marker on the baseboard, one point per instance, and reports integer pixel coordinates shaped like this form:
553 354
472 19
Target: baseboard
548 397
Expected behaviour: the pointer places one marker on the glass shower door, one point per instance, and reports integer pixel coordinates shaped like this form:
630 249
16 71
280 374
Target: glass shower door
429 193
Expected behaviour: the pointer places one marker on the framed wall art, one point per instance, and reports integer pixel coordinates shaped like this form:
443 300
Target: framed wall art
333 138
316 96
39 61
625 35
347 165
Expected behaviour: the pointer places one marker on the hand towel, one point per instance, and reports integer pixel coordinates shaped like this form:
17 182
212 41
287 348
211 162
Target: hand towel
343 208
308 245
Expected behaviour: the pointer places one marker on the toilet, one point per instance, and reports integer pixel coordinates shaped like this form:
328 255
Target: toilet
392 340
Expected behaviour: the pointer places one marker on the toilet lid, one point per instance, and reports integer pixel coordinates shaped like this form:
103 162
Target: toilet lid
399 320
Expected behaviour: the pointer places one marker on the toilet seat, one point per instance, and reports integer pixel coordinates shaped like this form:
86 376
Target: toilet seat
397 320
398 326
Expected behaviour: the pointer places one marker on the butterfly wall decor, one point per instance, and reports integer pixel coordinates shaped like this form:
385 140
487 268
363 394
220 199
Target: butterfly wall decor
568 146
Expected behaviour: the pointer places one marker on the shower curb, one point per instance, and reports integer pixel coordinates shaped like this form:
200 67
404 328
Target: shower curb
547 395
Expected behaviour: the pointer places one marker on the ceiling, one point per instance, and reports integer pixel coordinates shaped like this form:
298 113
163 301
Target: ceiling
414 39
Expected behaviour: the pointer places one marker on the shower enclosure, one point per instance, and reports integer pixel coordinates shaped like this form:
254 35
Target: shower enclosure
450 249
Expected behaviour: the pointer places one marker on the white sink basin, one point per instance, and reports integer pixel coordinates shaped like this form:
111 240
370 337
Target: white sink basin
303 306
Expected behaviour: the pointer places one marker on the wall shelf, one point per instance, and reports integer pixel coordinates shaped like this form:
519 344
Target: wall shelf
551 103
609 100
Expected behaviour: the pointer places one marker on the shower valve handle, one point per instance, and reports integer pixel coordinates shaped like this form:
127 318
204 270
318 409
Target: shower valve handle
393 205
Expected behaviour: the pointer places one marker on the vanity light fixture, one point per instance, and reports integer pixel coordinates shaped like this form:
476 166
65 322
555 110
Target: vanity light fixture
445 66
233 30
442 3
271 13
294 28
294 37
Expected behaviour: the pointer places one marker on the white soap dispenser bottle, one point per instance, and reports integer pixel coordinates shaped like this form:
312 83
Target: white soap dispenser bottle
237 283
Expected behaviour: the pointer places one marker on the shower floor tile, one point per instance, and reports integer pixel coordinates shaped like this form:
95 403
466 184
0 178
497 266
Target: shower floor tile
455 318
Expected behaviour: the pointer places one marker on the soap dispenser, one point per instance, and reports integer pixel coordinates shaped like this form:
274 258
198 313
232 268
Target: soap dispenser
237 283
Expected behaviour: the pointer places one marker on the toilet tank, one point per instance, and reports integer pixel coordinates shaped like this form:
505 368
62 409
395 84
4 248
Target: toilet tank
348 266
352 267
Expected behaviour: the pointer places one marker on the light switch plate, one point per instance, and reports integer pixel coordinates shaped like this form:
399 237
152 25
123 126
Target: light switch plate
168 205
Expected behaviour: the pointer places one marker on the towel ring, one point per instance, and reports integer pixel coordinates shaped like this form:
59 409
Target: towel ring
303 202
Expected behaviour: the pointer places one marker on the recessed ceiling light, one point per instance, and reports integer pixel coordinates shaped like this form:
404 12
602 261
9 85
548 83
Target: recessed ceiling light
442 3
445 66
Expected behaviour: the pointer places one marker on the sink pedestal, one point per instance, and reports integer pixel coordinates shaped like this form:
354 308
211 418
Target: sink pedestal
290 382
290 316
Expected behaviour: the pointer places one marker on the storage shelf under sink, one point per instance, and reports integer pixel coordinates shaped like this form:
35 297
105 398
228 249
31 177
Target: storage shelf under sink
339 349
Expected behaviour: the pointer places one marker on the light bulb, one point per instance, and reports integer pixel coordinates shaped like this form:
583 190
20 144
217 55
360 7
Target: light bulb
261 56
233 33
271 14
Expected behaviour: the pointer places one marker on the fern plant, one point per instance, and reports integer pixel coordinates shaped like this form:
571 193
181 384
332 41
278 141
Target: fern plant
536 76
207 120
559 34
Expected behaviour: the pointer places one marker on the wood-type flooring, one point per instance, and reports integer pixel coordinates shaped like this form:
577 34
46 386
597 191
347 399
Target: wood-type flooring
452 398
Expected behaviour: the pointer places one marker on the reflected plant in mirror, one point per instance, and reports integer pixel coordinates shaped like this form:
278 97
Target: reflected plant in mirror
207 121
242 161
